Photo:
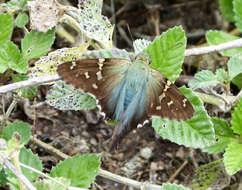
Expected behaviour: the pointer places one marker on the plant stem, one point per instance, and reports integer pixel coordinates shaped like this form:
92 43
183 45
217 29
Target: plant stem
16 164
214 100
10 108
61 31
9 111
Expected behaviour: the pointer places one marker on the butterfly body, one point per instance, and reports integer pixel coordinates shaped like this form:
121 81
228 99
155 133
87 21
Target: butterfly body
128 91
127 101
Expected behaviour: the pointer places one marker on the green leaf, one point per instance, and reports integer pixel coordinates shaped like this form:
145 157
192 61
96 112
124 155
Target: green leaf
36 44
65 97
27 157
237 118
167 52
22 128
215 37
51 185
211 175
238 81
140 45
13 183
18 5
203 79
29 92
235 66
21 20
3 176
222 76
3 65
233 158
226 9
222 128
10 57
224 135
81 170
169 186
220 145
196 132
238 13
6 27
21 66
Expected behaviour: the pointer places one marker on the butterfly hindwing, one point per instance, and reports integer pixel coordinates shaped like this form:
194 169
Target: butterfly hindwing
165 100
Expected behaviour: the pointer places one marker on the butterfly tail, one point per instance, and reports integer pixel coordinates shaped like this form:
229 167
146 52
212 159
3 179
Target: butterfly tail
120 131
134 114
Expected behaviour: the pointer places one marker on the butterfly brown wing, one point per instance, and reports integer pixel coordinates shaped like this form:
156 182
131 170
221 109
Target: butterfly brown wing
91 75
165 100
95 76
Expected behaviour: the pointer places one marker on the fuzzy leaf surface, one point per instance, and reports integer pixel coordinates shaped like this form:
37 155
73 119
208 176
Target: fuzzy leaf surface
226 9
167 52
238 13
21 20
224 135
235 66
81 170
23 129
203 79
27 157
6 27
237 118
170 186
233 158
36 44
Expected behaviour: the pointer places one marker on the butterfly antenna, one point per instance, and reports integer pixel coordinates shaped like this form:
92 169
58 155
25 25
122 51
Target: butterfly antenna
130 32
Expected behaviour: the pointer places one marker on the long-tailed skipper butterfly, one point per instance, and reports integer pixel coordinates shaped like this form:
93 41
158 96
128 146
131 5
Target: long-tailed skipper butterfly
128 91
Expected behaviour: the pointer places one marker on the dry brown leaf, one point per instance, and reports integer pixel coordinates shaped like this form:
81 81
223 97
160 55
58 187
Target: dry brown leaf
44 14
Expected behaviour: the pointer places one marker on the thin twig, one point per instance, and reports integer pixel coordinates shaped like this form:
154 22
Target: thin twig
103 173
171 179
124 35
214 48
9 111
191 153
236 99
118 12
16 172
40 104
29 82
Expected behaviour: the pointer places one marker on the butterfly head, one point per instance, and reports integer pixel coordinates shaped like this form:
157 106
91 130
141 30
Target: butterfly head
143 57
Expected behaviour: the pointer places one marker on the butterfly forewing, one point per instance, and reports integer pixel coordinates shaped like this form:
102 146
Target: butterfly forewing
165 100
95 76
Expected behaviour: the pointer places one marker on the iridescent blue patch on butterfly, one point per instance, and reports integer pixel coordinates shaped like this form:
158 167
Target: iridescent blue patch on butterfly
128 91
